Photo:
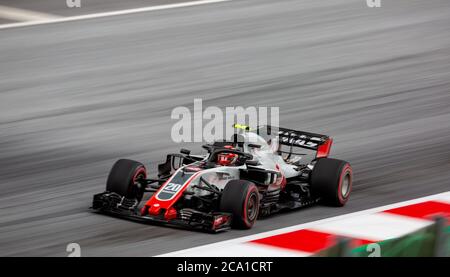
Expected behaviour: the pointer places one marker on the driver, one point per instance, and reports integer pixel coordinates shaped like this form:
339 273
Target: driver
227 159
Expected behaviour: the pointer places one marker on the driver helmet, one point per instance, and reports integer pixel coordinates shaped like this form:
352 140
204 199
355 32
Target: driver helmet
227 159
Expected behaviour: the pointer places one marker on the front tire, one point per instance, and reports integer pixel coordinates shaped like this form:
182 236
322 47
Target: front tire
331 180
123 179
241 199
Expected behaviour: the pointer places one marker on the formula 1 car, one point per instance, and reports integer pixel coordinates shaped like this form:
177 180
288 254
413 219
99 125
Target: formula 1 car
254 174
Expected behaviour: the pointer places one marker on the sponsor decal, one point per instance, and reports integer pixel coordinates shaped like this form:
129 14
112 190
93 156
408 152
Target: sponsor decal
174 185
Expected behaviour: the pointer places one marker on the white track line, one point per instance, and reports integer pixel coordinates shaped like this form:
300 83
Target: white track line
248 250
227 243
24 15
114 13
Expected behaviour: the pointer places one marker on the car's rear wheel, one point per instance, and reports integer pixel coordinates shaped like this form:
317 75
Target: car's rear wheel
331 180
241 199
124 177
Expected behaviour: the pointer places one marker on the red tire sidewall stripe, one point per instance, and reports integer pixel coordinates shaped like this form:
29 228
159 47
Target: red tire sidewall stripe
138 171
250 191
347 169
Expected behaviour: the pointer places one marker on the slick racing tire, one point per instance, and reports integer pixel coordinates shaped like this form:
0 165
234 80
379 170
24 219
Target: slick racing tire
123 179
331 180
241 199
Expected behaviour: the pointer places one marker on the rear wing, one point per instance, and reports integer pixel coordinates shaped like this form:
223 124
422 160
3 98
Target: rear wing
294 138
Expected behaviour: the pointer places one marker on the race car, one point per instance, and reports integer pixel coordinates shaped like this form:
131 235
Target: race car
252 175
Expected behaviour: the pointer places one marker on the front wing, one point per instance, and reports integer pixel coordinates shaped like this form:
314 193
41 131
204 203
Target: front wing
119 206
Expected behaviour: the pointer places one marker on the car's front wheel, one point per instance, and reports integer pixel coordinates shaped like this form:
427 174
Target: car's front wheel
123 179
241 199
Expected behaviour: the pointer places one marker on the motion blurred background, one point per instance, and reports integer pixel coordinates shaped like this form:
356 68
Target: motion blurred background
77 95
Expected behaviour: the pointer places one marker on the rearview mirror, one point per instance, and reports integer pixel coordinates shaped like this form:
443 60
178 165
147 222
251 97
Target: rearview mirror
186 152
254 146
252 163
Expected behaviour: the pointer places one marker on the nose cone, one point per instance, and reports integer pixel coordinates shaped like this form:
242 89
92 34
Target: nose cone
154 209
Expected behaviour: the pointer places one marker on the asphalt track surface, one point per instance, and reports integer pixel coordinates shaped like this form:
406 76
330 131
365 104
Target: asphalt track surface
76 96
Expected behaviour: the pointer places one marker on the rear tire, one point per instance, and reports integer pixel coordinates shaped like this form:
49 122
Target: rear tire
122 179
331 180
241 199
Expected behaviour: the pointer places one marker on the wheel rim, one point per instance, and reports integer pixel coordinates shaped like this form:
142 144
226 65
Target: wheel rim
136 188
252 209
137 177
345 188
